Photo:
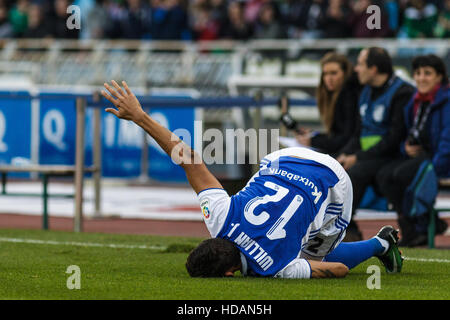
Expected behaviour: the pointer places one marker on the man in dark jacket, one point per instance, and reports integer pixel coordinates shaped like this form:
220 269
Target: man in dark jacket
382 129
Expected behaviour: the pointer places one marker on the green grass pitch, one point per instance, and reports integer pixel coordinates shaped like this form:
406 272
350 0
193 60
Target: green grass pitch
33 265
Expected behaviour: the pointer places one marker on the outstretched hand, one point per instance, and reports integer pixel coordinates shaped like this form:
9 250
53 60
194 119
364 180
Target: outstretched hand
126 104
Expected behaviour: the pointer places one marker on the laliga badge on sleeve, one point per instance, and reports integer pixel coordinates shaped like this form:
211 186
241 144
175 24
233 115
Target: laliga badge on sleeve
205 208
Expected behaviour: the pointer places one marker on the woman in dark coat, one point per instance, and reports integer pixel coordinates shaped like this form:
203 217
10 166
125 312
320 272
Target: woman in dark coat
337 99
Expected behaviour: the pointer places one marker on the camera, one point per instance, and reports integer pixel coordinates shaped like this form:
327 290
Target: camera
288 121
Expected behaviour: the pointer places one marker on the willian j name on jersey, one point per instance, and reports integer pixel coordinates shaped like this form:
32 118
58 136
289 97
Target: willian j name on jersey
257 252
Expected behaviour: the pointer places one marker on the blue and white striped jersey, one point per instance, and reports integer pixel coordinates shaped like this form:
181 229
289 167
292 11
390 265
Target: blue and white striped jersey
281 209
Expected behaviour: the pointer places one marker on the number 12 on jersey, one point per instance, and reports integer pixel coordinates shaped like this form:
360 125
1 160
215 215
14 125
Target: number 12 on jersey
277 231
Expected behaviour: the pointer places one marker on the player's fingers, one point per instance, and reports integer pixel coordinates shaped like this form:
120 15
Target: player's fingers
113 111
118 88
126 88
111 90
108 97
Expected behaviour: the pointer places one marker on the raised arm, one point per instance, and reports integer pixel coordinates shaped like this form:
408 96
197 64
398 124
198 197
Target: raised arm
127 107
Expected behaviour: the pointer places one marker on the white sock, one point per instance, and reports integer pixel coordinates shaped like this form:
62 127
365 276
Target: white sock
384 243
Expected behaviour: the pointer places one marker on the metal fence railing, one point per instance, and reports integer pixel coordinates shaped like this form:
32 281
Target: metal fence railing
205 66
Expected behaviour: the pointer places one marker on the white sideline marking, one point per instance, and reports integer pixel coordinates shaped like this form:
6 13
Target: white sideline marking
427 260
81 244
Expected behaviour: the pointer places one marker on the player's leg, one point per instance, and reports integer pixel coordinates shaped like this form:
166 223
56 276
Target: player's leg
353 253
383 246
327 243
334 218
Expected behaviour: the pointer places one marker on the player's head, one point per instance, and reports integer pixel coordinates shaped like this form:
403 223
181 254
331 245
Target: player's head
371 63
213 258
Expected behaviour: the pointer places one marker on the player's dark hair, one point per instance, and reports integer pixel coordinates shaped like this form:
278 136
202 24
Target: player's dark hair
212 258
381 59
433 61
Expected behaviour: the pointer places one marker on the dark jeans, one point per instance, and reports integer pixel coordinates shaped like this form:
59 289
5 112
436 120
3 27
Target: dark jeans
363 174
393 179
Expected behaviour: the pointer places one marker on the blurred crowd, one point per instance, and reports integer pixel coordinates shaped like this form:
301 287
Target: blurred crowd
224 19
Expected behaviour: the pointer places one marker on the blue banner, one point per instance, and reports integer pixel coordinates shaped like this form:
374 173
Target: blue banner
122 140
57 131
15 132
181 122
121 147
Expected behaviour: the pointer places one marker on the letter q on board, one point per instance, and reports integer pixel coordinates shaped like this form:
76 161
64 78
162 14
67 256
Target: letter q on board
54 128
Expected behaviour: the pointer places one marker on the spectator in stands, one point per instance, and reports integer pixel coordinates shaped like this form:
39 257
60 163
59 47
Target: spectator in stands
293 15
203 25
419 20
337 100
158 15
335 21
176 25
116 14
425 152
359 17
235 27
392 9
38 27
313 23
252 9
59 21
219 12
6 29
99 24
86 7
442 28
135 23
267 26
382 128
18 16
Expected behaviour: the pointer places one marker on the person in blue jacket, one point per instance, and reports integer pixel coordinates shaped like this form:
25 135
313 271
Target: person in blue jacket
410 182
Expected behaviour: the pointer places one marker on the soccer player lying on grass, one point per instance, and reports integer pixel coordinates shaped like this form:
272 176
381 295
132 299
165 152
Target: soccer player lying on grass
287 222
